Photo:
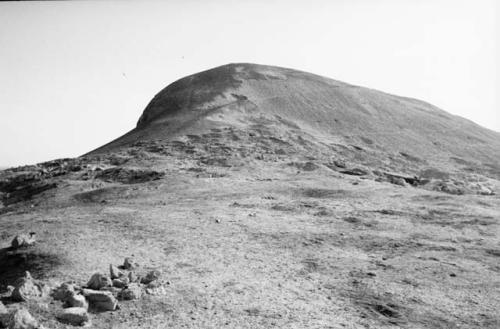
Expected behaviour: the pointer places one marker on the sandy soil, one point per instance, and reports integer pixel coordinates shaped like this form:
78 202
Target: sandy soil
270 246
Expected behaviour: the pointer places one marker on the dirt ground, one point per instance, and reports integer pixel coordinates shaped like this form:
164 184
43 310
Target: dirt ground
268 245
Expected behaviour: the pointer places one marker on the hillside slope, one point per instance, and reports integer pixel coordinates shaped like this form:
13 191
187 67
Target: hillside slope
245 95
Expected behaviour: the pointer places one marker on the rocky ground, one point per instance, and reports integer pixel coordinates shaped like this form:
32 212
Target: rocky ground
247 231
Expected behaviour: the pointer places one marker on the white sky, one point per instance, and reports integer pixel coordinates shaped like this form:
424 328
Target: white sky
75 75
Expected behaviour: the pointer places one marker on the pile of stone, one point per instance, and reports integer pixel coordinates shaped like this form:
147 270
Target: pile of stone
17 319
24 289
101 294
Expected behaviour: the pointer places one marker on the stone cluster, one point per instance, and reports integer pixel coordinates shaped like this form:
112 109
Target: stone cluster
101 293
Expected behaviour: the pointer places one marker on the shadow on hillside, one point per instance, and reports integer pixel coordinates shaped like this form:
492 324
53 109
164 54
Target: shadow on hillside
14 263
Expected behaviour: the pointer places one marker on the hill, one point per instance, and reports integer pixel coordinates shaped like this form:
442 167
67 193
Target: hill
245 96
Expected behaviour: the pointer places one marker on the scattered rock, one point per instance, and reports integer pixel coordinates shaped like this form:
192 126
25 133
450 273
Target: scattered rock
449 187
305 166
355 172
114 272
128 175
133 291
27 289
22 319
98 281
23 240
151 276
23 186
101 300
401 179
76 316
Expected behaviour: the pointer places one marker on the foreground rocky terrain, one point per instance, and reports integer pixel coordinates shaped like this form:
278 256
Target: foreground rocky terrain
257 212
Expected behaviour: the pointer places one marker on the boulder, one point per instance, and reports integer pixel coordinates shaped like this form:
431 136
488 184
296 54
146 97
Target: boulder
75 300
133 291
63 292
101 300
22 319
129 264
27 289
76 316
114 272
23 240
121 283
151 276
98 281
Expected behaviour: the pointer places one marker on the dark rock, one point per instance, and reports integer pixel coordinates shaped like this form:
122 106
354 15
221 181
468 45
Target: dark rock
63 292
114 272
101 300
151 276
121 282
129 264
401 179
355 172
98 281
